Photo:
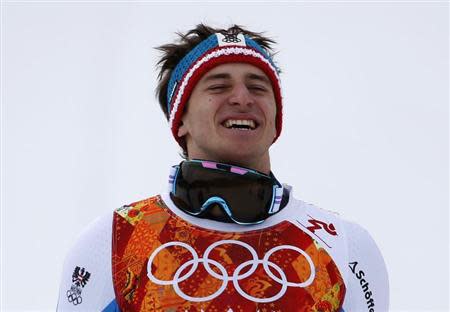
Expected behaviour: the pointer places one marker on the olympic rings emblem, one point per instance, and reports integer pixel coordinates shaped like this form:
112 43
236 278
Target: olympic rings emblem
231 38
73 297
223 276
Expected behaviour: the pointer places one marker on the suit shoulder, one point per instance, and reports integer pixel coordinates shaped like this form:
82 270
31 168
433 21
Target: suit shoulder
86 277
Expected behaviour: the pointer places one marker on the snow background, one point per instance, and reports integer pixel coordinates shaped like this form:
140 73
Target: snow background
365 128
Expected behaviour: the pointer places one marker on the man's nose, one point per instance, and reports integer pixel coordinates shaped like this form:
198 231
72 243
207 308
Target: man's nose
241 95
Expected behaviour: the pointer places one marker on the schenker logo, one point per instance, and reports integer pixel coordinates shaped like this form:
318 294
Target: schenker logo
364 285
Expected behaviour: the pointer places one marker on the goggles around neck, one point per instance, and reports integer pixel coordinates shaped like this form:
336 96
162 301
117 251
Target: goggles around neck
246 196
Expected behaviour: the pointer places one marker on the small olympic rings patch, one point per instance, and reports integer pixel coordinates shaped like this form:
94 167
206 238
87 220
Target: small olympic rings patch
223 275
231 38
80 277
74 297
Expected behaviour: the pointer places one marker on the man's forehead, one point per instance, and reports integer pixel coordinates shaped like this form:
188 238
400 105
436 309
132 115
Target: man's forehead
235 70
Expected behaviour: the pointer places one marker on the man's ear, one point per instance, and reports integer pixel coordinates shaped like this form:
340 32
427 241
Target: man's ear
182 129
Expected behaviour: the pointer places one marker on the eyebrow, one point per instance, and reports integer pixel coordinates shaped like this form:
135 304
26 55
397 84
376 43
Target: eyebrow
262 78
217 76
250 76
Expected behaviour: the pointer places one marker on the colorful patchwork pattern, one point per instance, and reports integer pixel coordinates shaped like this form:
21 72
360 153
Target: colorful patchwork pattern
164 263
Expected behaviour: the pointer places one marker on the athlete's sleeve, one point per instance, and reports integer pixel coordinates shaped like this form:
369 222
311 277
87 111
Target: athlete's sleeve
367 278
86 283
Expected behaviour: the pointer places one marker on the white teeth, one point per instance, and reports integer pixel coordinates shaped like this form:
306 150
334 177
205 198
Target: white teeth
247 122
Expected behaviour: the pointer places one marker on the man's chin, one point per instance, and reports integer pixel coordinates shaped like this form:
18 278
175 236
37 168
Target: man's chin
238 157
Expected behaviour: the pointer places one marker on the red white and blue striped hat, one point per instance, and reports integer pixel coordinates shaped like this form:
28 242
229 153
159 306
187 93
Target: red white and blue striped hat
215 50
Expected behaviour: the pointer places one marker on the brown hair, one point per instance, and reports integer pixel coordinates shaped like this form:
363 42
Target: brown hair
173 53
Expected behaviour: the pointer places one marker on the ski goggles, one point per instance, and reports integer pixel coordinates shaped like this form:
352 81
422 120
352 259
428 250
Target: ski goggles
245 195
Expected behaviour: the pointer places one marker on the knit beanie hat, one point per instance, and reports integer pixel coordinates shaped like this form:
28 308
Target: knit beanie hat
215 50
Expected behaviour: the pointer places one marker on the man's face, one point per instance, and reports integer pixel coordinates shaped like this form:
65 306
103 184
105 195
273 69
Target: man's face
230 116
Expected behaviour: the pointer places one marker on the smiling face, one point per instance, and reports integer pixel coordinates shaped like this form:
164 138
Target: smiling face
230 117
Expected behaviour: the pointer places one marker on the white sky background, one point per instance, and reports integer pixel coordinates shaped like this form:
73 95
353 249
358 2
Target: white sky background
365 128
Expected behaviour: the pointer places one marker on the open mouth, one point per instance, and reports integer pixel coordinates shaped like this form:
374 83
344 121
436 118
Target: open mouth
240 124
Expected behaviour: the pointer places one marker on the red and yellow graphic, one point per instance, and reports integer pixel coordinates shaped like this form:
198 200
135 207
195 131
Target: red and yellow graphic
164 263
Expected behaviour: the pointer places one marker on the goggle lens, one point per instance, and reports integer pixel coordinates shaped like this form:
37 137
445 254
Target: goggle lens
246 196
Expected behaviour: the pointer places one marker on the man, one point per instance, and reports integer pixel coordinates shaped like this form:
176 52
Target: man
227 236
